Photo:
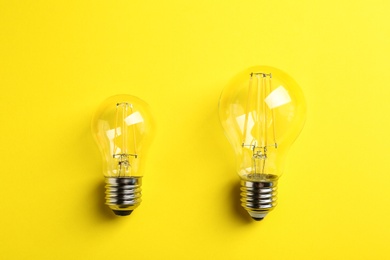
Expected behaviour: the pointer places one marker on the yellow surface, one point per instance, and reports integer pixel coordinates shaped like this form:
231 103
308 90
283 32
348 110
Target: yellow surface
60 59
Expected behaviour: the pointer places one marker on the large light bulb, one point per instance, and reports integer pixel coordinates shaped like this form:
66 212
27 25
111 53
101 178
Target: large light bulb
123 129
262 112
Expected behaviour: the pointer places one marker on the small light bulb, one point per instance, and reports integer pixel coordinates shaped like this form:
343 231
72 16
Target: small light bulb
262 112
123 130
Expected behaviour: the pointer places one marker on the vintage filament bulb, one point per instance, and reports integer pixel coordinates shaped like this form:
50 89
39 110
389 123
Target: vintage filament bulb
262 112
123 129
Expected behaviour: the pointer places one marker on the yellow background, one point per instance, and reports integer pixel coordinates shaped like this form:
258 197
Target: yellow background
60 59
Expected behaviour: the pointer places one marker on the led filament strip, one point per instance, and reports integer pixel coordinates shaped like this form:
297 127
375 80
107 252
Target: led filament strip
123 113
261 115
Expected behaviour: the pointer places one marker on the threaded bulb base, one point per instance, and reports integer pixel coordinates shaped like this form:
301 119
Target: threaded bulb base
123 194
258 198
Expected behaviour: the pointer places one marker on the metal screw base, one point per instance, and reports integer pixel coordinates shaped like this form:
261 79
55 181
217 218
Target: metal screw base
123 194
258 198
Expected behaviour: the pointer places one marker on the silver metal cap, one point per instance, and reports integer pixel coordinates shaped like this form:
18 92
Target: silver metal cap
123 194
258 198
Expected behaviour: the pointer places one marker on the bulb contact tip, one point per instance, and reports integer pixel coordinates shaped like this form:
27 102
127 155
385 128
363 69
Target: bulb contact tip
257 219
122 212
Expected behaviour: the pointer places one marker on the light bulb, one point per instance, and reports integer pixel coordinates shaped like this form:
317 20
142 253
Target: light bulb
123 129
262 112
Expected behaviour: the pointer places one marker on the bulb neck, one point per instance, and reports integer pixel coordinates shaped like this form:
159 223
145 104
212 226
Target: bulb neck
123 194
258 198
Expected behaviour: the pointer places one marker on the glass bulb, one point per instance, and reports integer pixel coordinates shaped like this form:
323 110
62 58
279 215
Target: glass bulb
123 129
262 112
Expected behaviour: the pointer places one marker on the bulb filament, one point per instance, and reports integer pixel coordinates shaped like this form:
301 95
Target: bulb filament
259 125
124 131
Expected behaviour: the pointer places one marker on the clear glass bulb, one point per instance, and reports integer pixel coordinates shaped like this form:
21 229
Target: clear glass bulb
123 129
262 112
